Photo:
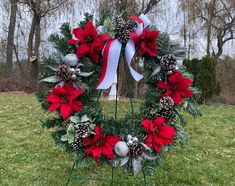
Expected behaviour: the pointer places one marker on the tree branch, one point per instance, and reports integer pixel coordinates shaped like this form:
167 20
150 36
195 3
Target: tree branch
49 8
151 4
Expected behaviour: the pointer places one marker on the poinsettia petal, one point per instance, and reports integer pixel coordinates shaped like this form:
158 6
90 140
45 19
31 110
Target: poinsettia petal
157 147
89 30
167 132
97 45
149 140
185 93
97 151
105 37
163 85
59 90
184 84
176 98
175 78
152 49
68 88
77 105
158 140
142 48
53 98
75 93
167 93
54 106
98 133
107 152
159 121
94 56
146 123
72 41
79 33
83 50
152 35
65 110
87 141
111 140
135 37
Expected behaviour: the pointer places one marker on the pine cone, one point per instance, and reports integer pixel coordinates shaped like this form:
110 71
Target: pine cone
168 62
136 150
76 145
119 23
123 30
64 72
131 25
167 102
167 114
123 36
82 131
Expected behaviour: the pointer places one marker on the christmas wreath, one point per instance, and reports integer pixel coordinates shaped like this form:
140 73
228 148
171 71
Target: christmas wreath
87 62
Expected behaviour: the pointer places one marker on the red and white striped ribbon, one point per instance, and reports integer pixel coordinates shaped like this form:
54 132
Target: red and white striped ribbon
112 51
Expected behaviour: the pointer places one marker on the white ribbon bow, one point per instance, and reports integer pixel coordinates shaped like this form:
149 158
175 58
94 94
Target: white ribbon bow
112 53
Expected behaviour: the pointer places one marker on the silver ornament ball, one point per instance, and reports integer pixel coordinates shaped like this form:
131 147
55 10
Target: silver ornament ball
121 148
72 70
73 77
71 59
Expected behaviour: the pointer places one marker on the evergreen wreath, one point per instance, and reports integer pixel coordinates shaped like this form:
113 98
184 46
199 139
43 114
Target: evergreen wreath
137 141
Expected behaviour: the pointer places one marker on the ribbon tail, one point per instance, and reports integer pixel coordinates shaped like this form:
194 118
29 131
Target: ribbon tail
100 29
129 53
145 20
111 57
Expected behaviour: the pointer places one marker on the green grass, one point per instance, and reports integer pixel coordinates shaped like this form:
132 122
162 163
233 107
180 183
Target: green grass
28 155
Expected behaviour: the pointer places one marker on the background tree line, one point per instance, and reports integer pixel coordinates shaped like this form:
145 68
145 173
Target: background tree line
212 20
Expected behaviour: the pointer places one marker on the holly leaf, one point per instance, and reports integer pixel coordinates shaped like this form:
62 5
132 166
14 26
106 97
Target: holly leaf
74 119
92 126
64 138
52 79
85 118
70 133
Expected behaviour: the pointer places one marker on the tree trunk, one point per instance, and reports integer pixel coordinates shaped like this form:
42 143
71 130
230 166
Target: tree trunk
184 31
30 39
211 9
33 51
10 38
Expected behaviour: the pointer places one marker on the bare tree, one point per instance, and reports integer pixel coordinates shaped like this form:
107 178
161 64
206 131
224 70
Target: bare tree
216 18
10 37
40 9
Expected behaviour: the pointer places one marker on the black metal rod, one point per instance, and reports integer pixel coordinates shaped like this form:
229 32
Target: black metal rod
99 94
129 88
71 172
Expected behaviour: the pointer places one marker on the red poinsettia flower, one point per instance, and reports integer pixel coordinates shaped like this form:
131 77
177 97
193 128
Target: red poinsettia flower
100 145
147 42
65 99
176 87
90 43
158 133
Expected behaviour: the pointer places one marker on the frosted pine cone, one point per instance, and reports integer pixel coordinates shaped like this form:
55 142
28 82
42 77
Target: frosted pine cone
167 102
168 62
167 114
131 25
136 150
64 72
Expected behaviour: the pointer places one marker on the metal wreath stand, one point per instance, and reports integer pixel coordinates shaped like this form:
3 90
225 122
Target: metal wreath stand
111 180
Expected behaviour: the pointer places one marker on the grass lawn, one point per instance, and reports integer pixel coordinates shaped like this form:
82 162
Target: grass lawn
28 155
